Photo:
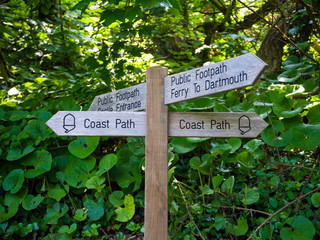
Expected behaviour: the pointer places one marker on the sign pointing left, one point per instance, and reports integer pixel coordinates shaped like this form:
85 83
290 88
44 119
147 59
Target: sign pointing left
74 123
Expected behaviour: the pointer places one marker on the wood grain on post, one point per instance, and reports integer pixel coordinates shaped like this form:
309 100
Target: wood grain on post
156 166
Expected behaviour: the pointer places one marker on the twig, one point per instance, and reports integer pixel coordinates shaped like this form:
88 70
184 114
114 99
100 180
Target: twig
293 166
281 209
273 128
285 36
190 216
243 209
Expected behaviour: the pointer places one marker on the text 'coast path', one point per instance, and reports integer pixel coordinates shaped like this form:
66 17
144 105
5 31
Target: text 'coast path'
181 124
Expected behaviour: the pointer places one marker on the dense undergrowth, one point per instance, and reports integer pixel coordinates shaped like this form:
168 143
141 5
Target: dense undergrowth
61 55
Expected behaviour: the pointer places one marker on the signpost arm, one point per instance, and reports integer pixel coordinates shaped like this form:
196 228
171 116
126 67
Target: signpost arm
156 166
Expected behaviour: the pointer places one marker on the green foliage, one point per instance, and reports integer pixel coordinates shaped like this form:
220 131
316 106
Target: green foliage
62 53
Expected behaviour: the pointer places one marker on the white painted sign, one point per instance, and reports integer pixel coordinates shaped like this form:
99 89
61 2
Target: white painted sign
219 77
75 123
128 99
215 124
208 124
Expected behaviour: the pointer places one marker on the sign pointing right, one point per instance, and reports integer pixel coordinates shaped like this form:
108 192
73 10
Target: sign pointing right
215 124
219 77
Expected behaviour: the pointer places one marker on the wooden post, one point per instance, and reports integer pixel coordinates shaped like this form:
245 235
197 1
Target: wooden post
156 144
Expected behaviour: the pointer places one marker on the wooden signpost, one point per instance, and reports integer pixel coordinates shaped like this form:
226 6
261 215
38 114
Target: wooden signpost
180 124
156 124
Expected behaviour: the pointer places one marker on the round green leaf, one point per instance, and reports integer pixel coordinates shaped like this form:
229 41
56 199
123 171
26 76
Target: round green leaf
136 145
315 199
126 213
303 229
202 103
182 145
235 143
80 215
306 136
95 209
106 163
78 171
252 197
31 202
282 138
116 198
82 147
66 229
40 160
289 76
227 186
95 182
13 181
15 153
56 193
287 107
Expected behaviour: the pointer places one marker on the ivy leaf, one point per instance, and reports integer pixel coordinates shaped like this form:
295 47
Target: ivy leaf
289 76
78 171
246 159
126 213
106 163
82 147
15 153
96 182
182 145
315 199
40 160
252 145
56 193
282 138
95 210
227 186
67 229
252 197
216 181
31 202
55 212
116 198
12 202
303 229
37 130
235 143
136 145
13 181
305 136
80 215
287 107
240 229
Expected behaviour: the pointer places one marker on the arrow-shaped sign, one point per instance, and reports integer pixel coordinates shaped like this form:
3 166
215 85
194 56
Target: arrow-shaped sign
127 99
215 124
219 77
74 123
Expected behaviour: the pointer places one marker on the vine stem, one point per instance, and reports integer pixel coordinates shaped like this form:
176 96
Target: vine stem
190 216
281 209
243 209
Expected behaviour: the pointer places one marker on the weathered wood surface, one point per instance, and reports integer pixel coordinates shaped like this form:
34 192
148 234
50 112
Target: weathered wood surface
76 123
156 159
215 124
183 124
219 77
128 99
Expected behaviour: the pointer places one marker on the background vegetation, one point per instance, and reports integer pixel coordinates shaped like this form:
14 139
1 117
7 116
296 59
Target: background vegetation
59 54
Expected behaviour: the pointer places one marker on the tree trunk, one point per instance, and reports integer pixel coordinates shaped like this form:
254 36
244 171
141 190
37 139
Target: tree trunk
271 49
4 70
